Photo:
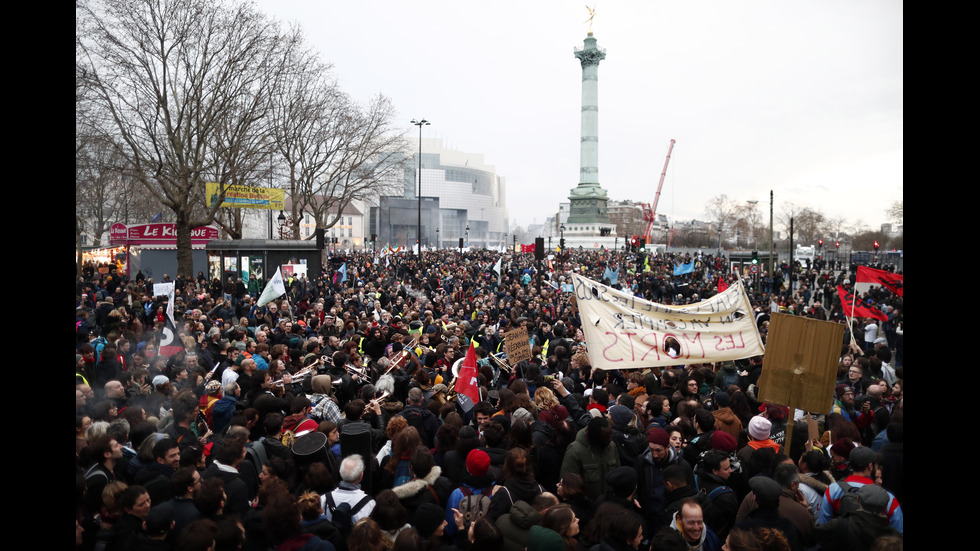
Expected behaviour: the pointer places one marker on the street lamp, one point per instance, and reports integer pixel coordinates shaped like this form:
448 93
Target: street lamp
515 242
418 235
282 221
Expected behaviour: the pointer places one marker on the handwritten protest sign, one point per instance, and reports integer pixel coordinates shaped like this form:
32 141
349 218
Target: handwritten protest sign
626 332
518 346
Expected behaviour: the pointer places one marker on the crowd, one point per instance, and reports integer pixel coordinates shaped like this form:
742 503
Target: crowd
327 419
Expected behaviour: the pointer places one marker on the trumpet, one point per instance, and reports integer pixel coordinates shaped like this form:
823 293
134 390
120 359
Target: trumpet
498 362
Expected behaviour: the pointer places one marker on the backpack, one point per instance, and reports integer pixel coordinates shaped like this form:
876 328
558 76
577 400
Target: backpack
342 516
713 494
256 454
848 502
473 506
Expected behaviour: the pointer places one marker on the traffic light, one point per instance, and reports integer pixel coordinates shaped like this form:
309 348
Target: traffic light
876 245
755 257
642 242
820 243
837 244
561 243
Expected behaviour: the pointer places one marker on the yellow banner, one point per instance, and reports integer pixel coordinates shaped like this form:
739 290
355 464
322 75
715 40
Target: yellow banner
246 197
627 332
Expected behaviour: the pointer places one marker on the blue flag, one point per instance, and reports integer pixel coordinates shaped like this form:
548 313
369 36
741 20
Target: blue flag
612 276
343 272
681 269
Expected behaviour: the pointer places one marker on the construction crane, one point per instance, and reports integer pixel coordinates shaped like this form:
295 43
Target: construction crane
650 212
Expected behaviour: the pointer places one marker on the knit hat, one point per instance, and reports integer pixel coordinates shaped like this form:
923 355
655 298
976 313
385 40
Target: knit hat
860 457
722 441
657 435
544 539
843 448
622 481
161 380
759 428
477 462
213 387
840 389
523 414
722 399
621 415
873 498
428 517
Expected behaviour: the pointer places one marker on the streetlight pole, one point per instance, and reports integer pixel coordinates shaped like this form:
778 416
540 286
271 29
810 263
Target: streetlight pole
418 235
437 238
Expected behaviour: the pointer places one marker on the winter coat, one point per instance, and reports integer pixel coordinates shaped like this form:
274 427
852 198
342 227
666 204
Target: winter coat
591 463
516 525
727 421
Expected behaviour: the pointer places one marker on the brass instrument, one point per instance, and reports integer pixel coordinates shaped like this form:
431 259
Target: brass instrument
403 356
451 395
298 376
354 371
498 362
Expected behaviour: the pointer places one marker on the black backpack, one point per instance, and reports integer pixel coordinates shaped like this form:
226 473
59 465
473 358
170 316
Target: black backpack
342 516
848 500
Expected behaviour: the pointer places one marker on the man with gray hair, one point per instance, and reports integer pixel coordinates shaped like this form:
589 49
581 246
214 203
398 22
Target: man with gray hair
349 491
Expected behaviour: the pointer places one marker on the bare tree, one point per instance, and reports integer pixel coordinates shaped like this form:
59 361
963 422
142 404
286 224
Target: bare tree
184 85
723 212
895 212
367 160
808 223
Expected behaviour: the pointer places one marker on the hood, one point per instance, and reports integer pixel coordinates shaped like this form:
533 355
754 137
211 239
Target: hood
415 486
704 531
524 516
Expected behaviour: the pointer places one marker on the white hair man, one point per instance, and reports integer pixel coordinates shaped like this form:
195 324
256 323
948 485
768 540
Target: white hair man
349 491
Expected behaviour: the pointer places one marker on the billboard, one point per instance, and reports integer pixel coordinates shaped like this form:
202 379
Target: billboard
246 197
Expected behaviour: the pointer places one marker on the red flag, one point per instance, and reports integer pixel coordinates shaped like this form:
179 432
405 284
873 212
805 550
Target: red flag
467 386
527 248
853 309
722 286
881 277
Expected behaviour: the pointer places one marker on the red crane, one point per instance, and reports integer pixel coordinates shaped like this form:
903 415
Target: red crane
650 212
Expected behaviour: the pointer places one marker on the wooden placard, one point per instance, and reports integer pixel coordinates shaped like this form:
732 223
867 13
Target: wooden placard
517 345
800 365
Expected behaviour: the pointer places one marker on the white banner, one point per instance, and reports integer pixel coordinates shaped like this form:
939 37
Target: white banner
627 332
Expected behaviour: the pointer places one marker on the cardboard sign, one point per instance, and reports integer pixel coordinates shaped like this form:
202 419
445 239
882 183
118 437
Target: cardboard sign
518 346
800 365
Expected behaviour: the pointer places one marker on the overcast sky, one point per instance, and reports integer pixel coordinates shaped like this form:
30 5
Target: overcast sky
804 98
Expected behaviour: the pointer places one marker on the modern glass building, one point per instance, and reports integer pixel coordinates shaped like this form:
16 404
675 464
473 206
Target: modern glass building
458 191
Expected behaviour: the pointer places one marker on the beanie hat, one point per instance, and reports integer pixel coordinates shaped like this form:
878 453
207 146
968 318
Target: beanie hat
621 415
657 435
523 414
477 462
428 517
622 481
722 399
840 389
844 448
722 441
162 380
759 428
212 388
544 539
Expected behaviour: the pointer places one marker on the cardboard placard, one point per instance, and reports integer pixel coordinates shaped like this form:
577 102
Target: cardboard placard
800 365
518 346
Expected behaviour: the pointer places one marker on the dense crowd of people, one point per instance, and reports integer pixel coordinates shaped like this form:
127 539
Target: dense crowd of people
328 418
